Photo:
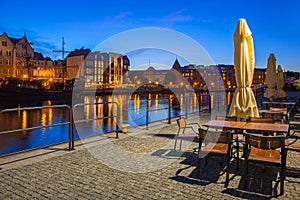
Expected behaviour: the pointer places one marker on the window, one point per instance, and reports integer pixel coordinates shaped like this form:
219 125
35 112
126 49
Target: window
7 62
0 52
8 53
0 62
4 43
8 71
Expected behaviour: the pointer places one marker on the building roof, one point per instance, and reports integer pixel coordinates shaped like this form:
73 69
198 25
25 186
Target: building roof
177 66
79 52
48 58
14 40
38 56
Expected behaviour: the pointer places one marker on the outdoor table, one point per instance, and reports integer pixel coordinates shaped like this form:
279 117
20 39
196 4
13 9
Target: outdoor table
266 127
248 126
280 102
222 124
284 112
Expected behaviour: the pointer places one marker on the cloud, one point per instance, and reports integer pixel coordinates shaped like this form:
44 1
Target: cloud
175 17
121 19
122 15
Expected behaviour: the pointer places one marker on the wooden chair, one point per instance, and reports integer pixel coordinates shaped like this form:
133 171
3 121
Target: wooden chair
293 145
267 105
276 116
285 117
235 136
185 131
265 150
215 143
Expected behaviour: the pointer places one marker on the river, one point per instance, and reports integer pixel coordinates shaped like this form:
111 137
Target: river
132 110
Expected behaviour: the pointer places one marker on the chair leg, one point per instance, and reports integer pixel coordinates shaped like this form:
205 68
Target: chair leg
245 173
237 155
282 173
227 171
282 180
175 143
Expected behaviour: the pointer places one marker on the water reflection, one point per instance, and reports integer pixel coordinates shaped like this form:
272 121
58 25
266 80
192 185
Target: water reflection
132 110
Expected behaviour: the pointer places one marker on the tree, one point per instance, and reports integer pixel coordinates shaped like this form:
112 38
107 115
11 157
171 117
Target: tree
297 82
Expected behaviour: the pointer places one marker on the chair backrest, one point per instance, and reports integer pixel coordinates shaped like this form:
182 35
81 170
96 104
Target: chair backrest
278 109
275 116
265 142
181 123
260 120
226 118
267 105
214 136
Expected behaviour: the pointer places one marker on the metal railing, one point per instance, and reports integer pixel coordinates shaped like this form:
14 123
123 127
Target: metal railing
154 110
67 122
76 106
184 107
113 115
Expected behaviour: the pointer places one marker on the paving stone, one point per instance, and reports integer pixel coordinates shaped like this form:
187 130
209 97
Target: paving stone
80 175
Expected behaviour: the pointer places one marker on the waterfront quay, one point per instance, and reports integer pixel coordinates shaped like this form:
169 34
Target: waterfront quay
154 170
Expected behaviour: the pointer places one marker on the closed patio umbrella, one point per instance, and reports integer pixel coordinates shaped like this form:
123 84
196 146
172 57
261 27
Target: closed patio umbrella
271 79
280 83
243 104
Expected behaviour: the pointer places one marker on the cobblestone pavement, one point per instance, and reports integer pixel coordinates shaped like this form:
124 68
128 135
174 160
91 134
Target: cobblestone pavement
85 173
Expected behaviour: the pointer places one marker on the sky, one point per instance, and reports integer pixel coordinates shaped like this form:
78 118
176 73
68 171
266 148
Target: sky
275 25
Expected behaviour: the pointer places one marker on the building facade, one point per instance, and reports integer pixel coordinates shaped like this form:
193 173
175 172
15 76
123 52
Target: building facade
199 77
105 70
15 57
19 60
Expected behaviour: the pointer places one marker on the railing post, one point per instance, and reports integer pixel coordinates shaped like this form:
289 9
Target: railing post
117 120
147 114
199 104
186 108
209 103
71 130
169 111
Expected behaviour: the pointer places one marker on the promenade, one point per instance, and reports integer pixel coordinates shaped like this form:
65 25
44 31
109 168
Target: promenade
139 165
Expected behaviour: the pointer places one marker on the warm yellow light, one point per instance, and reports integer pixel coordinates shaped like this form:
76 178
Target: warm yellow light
51 79
25 76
